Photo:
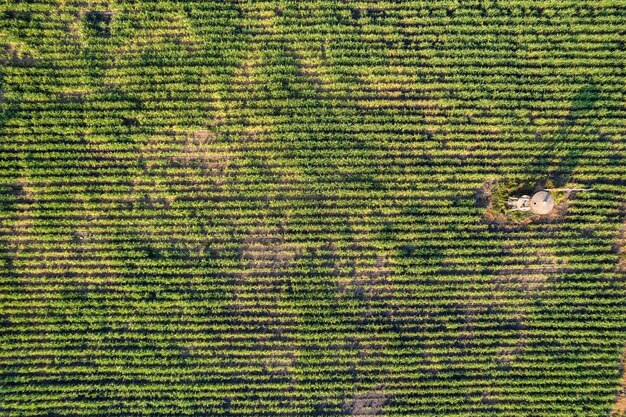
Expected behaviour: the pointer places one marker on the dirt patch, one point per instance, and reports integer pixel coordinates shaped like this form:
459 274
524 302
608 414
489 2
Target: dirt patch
76 96
202 150
16 53
368 278
506 356
199 152
619 409
266 248
187 39
526 280
22 197
262 281
265 258
365 268
369 404
531 275
484 196
278 365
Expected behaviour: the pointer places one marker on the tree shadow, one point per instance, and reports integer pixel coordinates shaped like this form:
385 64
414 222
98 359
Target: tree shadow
99 22
562 155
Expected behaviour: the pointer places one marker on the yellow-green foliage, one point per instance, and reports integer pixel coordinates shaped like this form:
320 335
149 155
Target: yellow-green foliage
269 208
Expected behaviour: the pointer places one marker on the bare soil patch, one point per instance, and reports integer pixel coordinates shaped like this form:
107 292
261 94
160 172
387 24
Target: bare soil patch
266 248
264 253
201 150
619 409
16 53
369 404
532 274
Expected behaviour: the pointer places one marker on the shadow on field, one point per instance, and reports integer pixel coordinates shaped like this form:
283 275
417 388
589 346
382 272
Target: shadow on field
562 155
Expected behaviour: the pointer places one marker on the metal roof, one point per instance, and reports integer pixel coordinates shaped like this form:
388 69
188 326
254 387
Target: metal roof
542 202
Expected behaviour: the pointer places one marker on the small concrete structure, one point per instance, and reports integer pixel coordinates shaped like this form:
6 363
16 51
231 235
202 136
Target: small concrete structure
519 204
542 202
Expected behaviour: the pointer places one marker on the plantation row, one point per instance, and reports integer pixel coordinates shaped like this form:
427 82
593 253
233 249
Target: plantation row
292 208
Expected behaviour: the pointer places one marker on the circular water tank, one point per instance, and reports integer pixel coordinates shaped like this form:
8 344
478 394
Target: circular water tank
541 203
